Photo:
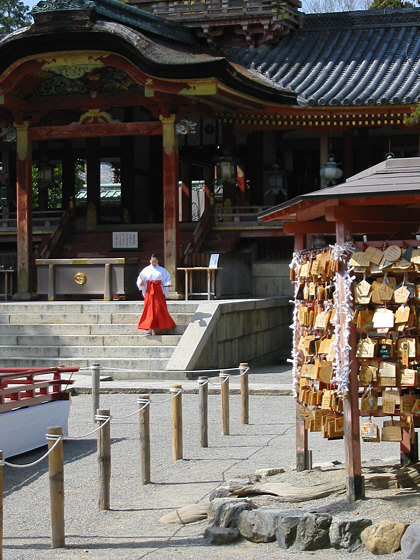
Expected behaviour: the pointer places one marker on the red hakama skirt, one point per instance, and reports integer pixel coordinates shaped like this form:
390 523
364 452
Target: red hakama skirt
155 313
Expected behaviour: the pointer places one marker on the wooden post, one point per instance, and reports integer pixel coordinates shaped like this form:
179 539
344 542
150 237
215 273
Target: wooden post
107 283
56 477
51 282
1 505
176 422
355 483
104 459
24 212
203 391
224 395
96 372
409 450
243 366
302 452
170 198
144 422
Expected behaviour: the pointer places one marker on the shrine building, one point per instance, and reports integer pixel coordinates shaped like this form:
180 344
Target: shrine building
206 113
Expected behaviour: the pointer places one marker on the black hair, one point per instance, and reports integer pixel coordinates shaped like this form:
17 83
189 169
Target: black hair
153 256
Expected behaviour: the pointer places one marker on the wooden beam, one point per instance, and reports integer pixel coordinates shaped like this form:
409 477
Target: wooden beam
372 213
316 210
292 228
359 228
387 200
150 128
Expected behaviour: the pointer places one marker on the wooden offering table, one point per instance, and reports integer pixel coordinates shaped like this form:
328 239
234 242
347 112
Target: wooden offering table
211 277
87 277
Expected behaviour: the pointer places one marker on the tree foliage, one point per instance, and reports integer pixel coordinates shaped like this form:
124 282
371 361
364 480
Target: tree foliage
326 6
13 14
389 5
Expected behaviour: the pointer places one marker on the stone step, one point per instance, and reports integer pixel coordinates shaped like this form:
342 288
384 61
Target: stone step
92 318
90 307
83 329
137 340
131 368
94 352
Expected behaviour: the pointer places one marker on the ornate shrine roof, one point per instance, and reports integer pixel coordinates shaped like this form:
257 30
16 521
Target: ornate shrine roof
362 58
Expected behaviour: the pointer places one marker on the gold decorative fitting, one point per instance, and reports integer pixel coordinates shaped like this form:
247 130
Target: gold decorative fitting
80 278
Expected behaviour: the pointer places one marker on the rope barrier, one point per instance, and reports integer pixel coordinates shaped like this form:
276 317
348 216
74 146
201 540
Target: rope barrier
98 417
175 392
134 412
50 437
107 368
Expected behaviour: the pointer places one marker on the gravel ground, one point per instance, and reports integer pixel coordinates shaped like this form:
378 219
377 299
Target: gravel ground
131 530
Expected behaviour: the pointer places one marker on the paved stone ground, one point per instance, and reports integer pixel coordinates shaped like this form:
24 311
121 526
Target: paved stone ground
131 530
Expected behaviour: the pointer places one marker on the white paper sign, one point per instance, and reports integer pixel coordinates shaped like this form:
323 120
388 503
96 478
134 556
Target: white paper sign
214 259
125 239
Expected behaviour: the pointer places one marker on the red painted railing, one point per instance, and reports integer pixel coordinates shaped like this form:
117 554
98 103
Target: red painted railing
22 387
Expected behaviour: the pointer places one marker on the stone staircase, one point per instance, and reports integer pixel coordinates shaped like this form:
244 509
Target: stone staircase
83 333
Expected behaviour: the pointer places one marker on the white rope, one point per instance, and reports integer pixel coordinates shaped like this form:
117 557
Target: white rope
192 371
175 393
50 437
98 417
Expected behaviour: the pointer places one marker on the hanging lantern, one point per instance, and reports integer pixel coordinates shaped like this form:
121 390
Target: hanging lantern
45 174
331 173
225 169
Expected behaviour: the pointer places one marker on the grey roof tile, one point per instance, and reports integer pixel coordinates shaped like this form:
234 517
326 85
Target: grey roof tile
349 58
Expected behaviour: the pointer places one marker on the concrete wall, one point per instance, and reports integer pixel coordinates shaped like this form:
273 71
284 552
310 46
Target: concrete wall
223 334
271 279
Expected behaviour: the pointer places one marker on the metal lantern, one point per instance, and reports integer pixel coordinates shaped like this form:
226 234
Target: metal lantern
331 173
225 169
45 174
276 181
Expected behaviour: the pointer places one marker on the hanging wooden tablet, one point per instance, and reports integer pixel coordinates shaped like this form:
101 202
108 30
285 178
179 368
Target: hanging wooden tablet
366 348
383 318
408 377
369 402
406 403
389 402
374 255
401 294
402 314
391 432
370 432
367 374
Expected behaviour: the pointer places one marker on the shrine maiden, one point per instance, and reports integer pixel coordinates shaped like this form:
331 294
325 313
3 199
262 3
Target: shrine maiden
154 281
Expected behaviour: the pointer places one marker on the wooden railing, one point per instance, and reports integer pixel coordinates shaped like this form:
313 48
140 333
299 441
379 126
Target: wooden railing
237 214
40 219
203 228
22 387
56 240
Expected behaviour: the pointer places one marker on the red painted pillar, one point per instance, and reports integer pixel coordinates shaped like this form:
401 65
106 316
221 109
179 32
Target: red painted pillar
25 263
170 199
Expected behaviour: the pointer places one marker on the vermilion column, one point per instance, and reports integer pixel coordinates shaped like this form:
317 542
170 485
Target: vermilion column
24 212
170 198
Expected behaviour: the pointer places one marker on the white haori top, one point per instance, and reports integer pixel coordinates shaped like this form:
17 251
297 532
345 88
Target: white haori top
154 273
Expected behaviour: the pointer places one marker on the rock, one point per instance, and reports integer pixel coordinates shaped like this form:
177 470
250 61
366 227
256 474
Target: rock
313 531
346 533
224 512
220 492
287 526
259 525
410 542
383 537
264 473
220 535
